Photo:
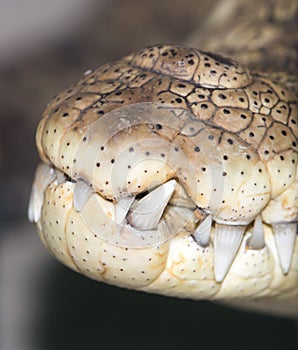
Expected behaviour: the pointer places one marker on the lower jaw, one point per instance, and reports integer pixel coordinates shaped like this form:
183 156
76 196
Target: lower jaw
179 267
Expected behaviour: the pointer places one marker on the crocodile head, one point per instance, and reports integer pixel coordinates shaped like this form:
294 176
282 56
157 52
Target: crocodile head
172 171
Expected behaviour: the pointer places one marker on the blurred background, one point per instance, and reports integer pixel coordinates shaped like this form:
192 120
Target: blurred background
45 46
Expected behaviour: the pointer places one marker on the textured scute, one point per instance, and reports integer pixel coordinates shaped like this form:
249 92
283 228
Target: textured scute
283 208
192 65
54 216
103 261
188 272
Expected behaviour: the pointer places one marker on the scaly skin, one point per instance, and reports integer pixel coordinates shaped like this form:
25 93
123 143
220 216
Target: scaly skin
247 152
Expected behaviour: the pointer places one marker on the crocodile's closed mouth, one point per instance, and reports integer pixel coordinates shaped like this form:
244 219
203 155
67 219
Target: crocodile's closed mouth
175 172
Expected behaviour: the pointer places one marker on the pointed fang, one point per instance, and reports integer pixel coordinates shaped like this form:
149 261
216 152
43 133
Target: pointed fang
257 240
285 235
44 175
203 231
81 194
146 214
122 207
227 239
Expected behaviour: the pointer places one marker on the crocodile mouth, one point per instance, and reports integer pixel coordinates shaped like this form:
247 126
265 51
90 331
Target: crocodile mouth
137 185
156 215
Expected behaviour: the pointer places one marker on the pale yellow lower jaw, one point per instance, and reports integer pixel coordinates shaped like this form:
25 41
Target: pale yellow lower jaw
178 266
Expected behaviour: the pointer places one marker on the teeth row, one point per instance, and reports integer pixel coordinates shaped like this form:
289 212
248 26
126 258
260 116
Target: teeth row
145 215
227 239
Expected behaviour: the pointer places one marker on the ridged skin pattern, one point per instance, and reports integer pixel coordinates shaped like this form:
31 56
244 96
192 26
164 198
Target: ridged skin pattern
228 136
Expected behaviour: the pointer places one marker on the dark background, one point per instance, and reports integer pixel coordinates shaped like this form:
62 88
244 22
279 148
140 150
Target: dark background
44 46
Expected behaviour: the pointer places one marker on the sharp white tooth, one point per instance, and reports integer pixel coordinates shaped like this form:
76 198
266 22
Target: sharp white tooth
227 239
60 176
285 235
203 231
81 194
257 240
44 175
122 207
146 214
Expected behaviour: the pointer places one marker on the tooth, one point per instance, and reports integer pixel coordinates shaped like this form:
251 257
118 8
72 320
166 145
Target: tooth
81 194
145 215
122 207
285 235
44 175
257 240
60 176
227 239
203 231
